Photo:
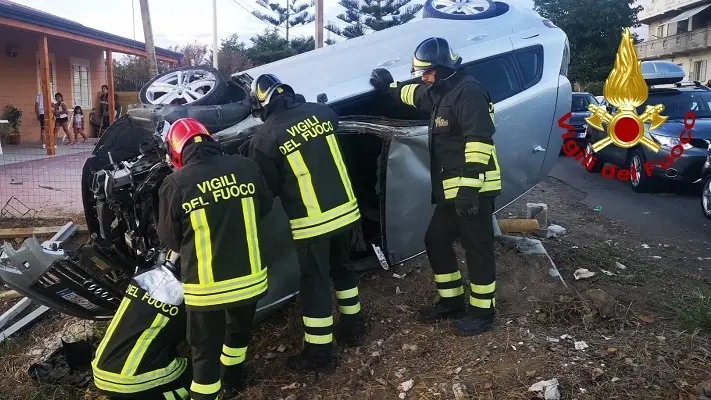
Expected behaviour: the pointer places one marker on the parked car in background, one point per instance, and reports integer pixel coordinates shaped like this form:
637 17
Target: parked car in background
519 56
579 109
706 185
666 88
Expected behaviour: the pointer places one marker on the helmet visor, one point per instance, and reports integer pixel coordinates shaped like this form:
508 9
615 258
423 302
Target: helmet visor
419 67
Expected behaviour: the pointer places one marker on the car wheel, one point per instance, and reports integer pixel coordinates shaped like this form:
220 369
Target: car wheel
596 166
706 197
459 9
640 182
185 86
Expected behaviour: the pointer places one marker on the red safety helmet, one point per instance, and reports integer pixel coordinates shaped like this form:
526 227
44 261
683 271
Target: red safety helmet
180 134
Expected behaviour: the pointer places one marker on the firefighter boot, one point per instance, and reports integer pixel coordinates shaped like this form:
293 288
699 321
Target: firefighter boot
352 330
442 310
474 324
236 379
314 357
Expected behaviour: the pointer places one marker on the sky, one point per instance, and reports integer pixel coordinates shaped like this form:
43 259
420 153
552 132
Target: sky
177 22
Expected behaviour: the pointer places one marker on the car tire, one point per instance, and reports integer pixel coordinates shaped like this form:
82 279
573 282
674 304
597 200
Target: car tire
596 168
483 8
706 197
640 183
214 117
213 92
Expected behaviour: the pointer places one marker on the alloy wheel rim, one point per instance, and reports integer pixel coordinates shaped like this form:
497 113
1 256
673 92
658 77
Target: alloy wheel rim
706 198
181 86
637 176
461 7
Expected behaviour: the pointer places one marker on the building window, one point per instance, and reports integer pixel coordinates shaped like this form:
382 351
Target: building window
660 31
52 74
698 71
682 26
81 86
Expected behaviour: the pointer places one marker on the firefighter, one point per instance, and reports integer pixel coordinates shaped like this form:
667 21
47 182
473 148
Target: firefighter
465 179
210 209
138 357
298 151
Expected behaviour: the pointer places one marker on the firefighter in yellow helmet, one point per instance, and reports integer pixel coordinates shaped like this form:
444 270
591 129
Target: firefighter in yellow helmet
465 181
210 212
299 154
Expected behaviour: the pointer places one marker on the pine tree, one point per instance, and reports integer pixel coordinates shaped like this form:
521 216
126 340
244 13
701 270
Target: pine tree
289 13
373 15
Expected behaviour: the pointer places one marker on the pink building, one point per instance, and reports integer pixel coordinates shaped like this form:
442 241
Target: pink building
76 57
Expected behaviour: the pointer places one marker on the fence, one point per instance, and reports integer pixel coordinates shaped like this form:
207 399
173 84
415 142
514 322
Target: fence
33 184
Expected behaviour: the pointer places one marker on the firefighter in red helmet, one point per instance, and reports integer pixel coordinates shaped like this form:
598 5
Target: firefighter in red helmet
210 212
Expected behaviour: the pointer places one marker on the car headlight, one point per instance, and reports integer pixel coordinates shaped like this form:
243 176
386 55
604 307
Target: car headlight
670 142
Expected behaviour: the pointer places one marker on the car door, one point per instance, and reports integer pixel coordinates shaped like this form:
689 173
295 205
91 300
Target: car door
520 143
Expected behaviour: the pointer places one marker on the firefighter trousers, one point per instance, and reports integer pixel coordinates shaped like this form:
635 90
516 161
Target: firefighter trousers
476 235
176 390
323 260
218 344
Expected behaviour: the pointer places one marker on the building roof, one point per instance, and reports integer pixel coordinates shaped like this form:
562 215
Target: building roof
15 11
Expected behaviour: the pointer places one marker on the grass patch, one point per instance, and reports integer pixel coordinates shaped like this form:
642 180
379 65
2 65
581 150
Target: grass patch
695 311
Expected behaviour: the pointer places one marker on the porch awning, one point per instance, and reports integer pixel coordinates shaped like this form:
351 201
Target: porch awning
688 13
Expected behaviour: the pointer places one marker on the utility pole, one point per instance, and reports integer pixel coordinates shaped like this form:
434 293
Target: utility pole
319 23
214 33
148 35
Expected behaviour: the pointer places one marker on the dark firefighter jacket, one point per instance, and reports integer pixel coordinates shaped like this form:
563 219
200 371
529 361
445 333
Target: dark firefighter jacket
461 127
139 351
209 212
298 152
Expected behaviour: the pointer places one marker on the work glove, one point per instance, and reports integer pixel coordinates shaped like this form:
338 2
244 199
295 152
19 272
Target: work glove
467 202
381 79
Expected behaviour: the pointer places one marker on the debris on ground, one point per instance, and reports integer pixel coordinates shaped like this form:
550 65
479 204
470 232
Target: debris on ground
603 302
546 390
580 345
619 265
583 273
460 391
514 225
598 209
404 387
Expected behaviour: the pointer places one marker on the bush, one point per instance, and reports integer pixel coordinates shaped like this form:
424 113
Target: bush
14 116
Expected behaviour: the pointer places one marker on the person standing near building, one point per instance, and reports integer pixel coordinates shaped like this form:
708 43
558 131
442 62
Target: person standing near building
210 212
298 152
465 181
39 111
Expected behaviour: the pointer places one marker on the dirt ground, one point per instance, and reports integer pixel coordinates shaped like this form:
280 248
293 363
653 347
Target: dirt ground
646 337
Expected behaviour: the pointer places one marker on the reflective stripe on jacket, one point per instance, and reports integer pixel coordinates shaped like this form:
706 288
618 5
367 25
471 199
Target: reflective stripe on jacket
210 211
462 152
139 349
298 151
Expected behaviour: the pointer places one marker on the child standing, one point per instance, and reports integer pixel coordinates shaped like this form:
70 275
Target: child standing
78 124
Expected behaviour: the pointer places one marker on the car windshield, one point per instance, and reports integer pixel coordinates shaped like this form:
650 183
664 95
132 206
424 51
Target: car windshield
679 102
581 102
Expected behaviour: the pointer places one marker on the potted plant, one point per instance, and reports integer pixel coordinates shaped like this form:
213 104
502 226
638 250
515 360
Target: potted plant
14 117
